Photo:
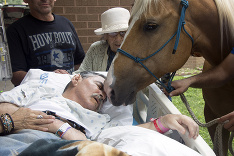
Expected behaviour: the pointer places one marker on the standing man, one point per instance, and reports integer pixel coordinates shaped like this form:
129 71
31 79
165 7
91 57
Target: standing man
43 40
212 78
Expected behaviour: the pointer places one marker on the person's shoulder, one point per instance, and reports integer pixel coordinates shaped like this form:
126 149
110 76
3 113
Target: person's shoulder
98 47
64 21
22 21
59 17
99 44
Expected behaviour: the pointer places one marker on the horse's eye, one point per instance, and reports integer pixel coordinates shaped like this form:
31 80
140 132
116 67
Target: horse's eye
150 26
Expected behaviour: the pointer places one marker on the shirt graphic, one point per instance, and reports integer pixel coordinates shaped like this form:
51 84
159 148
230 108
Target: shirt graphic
57 58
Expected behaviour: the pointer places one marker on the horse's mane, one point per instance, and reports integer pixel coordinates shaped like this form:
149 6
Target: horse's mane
140 6
226 16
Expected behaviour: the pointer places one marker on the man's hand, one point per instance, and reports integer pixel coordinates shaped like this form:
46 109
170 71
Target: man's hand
181 123
180 86
229 118
25 118
61 71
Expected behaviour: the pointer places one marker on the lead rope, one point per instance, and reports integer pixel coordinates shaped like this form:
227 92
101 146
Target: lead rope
218 144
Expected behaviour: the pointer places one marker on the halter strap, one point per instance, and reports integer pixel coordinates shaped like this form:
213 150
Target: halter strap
181 24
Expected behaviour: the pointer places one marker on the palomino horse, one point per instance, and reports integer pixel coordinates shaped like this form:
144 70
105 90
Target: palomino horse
162 35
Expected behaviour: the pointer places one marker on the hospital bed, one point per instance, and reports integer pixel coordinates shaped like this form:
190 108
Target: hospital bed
153 103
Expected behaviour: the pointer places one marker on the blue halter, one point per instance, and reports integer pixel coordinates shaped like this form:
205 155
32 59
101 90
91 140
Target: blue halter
169 88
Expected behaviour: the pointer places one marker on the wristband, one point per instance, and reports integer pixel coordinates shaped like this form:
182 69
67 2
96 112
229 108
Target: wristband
164 129
62 130
156 125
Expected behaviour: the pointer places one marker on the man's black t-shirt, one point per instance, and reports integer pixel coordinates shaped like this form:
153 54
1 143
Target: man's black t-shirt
44 45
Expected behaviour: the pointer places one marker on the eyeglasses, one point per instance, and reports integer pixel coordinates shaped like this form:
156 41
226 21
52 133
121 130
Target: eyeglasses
114 34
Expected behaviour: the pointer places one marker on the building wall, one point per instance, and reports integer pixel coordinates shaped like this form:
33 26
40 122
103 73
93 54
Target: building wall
86 16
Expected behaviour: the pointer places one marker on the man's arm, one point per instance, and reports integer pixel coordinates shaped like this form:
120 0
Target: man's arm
215 77
178 122
70 134
25 118
18 77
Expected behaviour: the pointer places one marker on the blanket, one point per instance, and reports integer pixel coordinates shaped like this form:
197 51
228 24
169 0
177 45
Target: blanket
70 148
29 142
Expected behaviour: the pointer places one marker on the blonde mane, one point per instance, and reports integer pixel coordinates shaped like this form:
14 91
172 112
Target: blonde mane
140 6
226 18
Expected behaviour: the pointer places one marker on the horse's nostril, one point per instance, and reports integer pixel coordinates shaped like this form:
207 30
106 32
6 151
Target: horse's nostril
112 94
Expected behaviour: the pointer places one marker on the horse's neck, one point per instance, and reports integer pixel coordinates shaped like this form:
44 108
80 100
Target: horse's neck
204 20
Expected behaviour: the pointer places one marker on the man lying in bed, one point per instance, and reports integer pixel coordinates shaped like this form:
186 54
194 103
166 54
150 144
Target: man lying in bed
78 106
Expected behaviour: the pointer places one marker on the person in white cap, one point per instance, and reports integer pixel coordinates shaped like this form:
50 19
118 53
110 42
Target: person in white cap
101 53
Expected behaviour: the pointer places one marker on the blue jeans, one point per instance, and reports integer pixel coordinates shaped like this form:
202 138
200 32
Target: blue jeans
13 144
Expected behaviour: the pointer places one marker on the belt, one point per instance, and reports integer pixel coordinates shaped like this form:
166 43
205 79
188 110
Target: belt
71 123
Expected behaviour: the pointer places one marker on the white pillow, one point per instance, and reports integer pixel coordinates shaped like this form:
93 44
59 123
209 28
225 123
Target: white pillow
37 77
123 115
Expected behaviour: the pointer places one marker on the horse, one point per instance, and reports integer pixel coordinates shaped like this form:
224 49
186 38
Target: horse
162 35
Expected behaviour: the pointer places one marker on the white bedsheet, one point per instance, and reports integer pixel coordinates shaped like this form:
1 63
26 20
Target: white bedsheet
133 140
42 91
138 141
122 115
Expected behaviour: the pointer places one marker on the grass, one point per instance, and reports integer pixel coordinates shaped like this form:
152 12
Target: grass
196 102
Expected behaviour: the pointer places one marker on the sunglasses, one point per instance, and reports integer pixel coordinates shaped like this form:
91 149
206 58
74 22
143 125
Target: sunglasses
114 34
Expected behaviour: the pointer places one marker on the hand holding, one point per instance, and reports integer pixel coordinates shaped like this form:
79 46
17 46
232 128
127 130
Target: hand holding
25 118
229 124
180 86
181 123
61 71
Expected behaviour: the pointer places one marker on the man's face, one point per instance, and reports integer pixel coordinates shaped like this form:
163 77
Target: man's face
41 7
90 92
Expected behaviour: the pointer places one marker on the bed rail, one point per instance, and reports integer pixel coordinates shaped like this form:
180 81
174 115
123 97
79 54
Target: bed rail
154 103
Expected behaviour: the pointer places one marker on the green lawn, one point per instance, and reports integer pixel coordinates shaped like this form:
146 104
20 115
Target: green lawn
196 102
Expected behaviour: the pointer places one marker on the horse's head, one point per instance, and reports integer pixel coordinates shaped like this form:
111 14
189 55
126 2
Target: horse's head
152 26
